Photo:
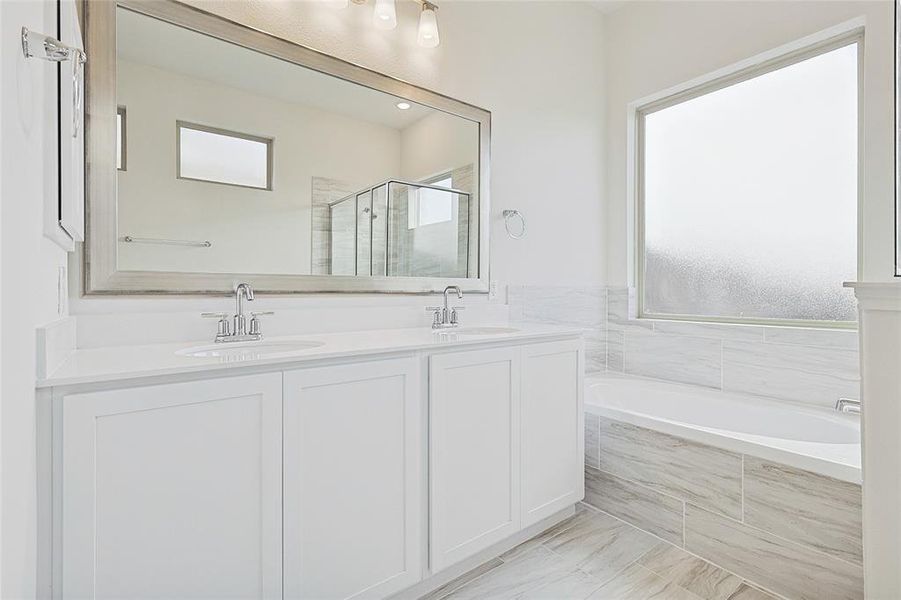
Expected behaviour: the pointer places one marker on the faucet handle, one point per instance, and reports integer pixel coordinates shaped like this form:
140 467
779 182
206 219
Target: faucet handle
453 315
255 321
433 308
223 327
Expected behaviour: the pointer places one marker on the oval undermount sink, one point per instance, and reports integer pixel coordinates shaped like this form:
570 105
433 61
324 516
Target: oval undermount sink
247 350
487 330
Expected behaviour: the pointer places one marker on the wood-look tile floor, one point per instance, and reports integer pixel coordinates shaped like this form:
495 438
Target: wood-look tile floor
594 556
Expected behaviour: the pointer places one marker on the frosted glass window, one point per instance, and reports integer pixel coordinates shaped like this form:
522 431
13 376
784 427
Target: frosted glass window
428 206
750 197
221 156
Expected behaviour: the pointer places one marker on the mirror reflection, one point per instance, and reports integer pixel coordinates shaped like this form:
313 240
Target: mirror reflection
233 161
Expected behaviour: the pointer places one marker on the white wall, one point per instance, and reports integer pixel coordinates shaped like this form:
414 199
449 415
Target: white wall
651 46
28 264
275 223
436 144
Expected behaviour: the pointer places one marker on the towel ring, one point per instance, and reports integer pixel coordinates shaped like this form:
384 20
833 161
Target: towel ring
508 216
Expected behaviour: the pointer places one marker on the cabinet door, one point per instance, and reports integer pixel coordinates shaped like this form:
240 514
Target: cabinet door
173 491
352 480
474 452
552 429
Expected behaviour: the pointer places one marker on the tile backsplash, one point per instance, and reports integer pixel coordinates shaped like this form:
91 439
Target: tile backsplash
809 366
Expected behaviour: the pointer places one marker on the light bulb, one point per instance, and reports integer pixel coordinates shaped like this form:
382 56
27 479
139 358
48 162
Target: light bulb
428 27
403 105
384 17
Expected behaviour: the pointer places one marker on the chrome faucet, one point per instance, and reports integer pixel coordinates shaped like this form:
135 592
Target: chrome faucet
242 291
446 317
848 405
239 333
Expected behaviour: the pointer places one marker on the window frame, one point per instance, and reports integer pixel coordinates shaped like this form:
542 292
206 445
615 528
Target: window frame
432 181
846 34
268 141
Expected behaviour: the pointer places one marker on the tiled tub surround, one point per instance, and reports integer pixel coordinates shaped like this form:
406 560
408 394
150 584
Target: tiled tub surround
800 365
803 365
794 532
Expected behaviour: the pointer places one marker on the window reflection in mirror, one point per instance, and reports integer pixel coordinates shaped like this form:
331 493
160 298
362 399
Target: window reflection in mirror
285 170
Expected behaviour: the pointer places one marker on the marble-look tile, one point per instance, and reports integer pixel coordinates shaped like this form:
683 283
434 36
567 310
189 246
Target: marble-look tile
574 585
652 511
595 351
622 310
701 474
583 517
615 349
720 331
805 507
747 592
536 568
601 547
675 358
806 336
777 564
462 580
799 373
638 583
574 306
592 449
690 572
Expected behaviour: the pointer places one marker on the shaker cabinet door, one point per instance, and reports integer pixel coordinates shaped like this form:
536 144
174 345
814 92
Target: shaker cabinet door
552 429
173 491
474 452
353 484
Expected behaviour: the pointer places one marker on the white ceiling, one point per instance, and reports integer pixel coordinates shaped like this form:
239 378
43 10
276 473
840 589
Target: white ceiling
142 39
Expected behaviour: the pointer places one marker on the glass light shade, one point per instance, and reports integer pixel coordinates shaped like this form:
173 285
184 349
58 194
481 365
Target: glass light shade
428 28
385 16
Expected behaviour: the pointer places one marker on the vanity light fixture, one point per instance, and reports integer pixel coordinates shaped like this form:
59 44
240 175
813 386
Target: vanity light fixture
428 26
403 105
384 16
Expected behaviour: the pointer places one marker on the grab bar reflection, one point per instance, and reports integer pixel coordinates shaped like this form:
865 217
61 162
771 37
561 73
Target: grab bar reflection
141 240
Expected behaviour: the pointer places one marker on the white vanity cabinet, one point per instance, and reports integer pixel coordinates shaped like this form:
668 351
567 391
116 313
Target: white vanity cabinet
505 445
474 452
352 480
345 477
173 491
553 476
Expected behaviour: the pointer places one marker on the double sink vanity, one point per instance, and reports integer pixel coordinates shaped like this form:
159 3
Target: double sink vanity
352 465
256 464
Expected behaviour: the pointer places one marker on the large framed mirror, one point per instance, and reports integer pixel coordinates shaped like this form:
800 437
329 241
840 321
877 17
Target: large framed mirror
218 153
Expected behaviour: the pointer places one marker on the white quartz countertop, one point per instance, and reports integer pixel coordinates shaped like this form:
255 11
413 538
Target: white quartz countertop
115 363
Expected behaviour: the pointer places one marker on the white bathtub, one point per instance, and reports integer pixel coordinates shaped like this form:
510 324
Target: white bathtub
807 438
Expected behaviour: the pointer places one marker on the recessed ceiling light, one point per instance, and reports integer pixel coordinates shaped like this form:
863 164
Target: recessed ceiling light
403 105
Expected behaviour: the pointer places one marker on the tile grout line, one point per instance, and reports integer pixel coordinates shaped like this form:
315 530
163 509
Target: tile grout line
783 539
656 491
466 583
744 579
